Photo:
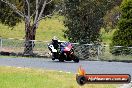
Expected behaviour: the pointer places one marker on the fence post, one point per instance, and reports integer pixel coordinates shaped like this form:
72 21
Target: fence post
97 52
32 44
1 43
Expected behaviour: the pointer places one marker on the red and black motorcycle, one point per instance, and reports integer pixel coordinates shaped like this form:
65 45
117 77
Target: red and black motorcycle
65 52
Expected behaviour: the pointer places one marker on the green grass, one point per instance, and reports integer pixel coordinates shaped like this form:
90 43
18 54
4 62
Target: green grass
45 32
11 77
2 56
8 56
107 36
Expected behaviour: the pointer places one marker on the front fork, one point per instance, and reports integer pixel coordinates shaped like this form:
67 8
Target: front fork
69 55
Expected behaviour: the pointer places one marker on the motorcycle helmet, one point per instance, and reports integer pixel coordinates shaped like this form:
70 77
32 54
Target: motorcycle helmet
55 39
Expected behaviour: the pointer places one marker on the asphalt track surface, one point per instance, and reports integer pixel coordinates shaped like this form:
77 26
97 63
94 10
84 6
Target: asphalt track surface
91 67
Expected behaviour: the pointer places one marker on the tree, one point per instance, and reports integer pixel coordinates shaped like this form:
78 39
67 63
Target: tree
123 36
31 11
84 18
112 16
8 16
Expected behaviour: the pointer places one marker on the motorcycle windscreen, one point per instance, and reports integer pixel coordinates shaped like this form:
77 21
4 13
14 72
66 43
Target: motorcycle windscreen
66 46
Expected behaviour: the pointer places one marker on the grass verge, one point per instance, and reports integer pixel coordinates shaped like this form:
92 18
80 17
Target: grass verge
11 77
1 56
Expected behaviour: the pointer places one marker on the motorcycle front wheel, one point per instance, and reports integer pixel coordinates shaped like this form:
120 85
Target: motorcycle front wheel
76 59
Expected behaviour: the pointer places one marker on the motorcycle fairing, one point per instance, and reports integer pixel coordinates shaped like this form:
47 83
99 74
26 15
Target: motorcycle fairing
66 46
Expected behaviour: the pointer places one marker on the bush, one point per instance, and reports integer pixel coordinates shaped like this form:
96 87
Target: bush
123 36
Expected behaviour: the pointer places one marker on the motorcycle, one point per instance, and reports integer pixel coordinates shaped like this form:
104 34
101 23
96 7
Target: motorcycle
65 52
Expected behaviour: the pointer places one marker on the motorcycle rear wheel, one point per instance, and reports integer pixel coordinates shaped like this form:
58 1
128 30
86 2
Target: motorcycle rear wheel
61 58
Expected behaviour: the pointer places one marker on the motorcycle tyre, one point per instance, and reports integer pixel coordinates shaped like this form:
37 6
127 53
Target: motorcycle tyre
61 60
76 60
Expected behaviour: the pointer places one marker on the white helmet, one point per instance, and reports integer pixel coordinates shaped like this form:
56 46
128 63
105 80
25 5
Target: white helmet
54 38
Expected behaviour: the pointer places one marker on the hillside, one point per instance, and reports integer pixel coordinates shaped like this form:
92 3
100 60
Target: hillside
47 29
